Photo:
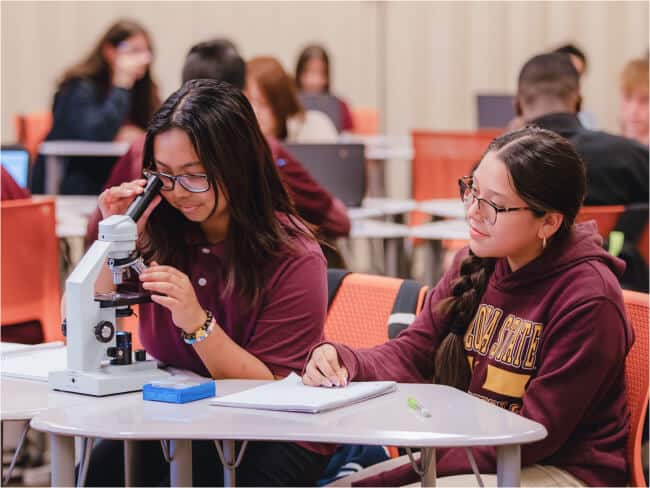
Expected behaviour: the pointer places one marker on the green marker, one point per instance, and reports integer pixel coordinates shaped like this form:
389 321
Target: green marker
414 405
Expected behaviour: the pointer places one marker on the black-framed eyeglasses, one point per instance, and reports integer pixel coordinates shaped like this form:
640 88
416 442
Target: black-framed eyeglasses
192 182
490 210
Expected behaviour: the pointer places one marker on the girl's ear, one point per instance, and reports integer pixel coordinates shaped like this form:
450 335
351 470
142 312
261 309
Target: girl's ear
551 222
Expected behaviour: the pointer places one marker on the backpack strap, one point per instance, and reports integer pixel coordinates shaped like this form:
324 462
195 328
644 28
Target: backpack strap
403 313
335 278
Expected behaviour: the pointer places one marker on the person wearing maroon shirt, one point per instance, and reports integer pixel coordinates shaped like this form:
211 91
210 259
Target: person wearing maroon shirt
238 280
530 318
9 189
218 59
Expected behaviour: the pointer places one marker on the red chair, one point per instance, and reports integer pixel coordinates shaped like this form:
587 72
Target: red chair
439 159
365 121
32 129
605 216
636 379
30 265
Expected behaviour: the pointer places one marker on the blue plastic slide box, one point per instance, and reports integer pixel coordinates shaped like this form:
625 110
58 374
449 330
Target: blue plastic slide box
178 390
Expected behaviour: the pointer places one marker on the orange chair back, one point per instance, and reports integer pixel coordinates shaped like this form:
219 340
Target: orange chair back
31 129
30 265
605 216
365 121
439 159
636 379
359 313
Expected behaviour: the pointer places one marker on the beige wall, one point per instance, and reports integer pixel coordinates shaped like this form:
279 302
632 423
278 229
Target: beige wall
421 62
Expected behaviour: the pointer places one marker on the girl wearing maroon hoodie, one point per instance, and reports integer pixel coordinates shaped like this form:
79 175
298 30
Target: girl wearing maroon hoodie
530 317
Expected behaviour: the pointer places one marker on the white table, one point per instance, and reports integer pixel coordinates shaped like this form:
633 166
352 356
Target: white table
458 419
56 151
434 233
451 208
390 233
24 399
383 147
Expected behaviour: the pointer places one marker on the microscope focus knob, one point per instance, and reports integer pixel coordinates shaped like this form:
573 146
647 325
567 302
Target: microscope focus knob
104 331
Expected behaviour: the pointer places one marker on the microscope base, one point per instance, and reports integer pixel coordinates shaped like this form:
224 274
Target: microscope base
108 380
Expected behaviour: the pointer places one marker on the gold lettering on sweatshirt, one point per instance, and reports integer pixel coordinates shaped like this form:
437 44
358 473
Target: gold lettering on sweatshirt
516 343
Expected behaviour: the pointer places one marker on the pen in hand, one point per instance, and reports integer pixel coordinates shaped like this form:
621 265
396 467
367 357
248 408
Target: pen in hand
414 405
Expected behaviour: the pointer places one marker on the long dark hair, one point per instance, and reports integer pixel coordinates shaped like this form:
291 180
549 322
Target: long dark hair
549 176
224 133
314 51
144 100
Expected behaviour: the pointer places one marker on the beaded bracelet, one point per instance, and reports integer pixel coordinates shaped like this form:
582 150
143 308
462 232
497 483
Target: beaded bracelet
201 333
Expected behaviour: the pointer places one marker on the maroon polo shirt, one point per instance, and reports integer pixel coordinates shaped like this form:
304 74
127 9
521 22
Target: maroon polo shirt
280 330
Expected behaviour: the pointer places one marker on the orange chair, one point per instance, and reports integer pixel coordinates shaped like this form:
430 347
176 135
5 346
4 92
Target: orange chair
365 121
30 265
31 129
605 216
636 379
360 312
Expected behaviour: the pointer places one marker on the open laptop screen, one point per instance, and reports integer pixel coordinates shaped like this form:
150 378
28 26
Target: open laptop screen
15 160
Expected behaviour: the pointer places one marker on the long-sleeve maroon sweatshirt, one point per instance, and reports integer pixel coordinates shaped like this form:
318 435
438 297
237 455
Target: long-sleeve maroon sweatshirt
548 341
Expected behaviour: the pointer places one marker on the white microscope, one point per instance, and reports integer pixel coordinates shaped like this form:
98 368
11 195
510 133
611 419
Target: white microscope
100 360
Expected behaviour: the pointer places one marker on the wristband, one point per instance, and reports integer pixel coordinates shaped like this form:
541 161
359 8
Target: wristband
202 332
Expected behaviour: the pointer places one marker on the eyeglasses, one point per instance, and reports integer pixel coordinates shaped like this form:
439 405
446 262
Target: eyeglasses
490 210
194 183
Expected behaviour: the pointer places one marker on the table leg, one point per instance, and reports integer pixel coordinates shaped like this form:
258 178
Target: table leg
62 458
508 465
181 463
19 447
229 469
429 252
391 256
131 463
428 461
53 169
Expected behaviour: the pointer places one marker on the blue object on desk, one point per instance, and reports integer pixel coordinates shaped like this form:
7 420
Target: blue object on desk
180 390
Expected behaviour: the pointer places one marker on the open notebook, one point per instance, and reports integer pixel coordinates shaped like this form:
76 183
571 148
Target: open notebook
290 395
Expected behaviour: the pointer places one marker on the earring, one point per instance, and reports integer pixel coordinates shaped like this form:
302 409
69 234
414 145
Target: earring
544 242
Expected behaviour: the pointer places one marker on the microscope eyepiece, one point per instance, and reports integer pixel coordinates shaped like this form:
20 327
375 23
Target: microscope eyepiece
140 204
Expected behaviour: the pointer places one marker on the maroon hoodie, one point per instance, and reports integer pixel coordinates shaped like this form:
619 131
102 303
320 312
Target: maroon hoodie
548 342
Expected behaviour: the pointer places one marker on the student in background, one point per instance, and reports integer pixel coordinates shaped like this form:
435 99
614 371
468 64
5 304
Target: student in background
579 60
273 95
218 59
108 96
530 317
548 96
313 76
634 100
238 281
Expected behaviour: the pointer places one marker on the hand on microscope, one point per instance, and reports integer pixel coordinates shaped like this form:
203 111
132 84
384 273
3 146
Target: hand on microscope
115 201
173 290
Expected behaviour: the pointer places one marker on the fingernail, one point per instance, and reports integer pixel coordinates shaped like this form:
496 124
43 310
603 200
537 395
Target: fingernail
335 381
327 383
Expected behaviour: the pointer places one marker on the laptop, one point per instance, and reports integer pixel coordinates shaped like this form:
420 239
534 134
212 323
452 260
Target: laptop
494 111
339 168
328 104
15 159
